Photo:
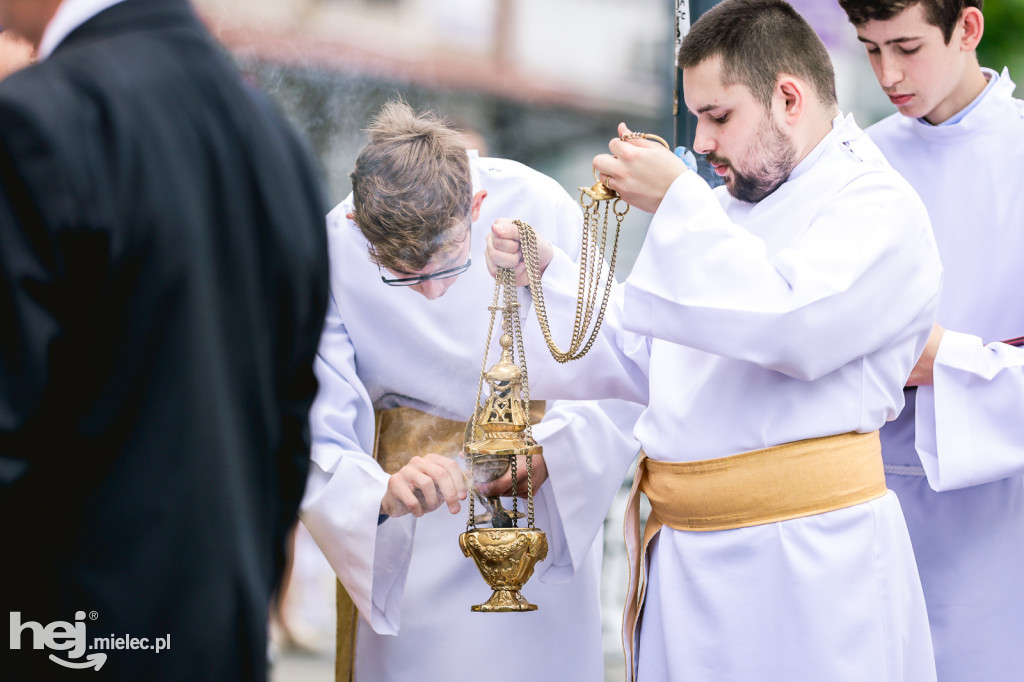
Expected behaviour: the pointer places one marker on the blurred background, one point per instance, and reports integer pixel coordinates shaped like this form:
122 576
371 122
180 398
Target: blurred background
544 82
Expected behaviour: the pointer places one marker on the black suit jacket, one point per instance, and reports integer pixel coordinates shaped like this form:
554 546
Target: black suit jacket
163 281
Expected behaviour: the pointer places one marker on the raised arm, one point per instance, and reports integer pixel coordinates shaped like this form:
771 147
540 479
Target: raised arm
703 281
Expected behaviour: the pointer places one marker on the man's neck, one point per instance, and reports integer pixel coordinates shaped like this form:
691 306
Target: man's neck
816 132
967 89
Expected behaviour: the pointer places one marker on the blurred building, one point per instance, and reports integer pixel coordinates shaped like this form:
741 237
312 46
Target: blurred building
544 82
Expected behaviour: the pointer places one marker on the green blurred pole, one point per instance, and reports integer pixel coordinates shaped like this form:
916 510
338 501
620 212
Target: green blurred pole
686 13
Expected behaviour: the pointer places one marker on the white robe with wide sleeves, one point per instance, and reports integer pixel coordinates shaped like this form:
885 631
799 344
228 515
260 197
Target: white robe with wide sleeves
955 457
752 325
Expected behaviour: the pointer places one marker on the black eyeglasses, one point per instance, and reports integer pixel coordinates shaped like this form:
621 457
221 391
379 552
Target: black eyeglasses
418 279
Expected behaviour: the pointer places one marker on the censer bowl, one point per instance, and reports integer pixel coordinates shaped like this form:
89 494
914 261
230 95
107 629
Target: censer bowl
506 558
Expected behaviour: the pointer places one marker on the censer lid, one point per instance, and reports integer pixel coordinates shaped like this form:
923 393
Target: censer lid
505 415
504 370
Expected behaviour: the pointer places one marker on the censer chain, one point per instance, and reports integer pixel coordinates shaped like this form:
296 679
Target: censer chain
592 254
591 258
470 435
512 296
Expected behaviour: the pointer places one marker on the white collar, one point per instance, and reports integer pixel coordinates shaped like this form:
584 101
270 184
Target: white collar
474 173
69 15
991 77
980 115
841 128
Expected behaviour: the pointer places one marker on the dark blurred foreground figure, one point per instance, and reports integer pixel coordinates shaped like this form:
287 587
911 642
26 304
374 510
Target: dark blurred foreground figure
163 282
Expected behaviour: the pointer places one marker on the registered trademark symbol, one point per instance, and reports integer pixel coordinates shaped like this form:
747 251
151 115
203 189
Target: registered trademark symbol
93 615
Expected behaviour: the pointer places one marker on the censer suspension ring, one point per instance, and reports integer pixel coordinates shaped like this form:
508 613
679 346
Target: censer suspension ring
645 136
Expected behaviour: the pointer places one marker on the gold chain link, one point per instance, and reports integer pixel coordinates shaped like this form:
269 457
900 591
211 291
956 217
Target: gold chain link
529 489
592 254
470 434
506 281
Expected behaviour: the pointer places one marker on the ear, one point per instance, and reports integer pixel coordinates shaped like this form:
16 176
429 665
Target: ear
972 24
478 199
350 217
790 98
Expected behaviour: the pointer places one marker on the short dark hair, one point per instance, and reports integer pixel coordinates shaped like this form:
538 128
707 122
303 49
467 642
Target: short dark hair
757 41
941 13
411 188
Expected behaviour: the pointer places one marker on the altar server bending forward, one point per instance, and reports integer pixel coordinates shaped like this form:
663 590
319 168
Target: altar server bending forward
404 338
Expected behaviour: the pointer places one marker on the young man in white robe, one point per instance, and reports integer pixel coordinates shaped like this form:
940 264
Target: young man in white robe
955 456
404 337
762 328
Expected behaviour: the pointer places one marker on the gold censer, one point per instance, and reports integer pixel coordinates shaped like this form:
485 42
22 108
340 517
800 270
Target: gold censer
498 435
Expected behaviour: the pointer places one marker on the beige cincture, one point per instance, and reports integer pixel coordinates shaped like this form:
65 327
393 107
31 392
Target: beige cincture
763 486
400 434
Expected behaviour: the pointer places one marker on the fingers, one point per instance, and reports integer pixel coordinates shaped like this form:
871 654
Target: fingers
623 150
505 253
505 228
452 484
639 170
499 487
422 485
498 255
614 168
502 487
503 250
607 165
627 136
405 494
628 150
522 275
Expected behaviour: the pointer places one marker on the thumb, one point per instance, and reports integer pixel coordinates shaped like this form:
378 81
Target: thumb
503 228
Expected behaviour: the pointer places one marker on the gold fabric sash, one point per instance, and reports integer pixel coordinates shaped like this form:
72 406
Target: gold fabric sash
400 434
784 482
404 432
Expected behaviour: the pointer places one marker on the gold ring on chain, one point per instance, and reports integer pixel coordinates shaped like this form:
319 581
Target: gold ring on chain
645 136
